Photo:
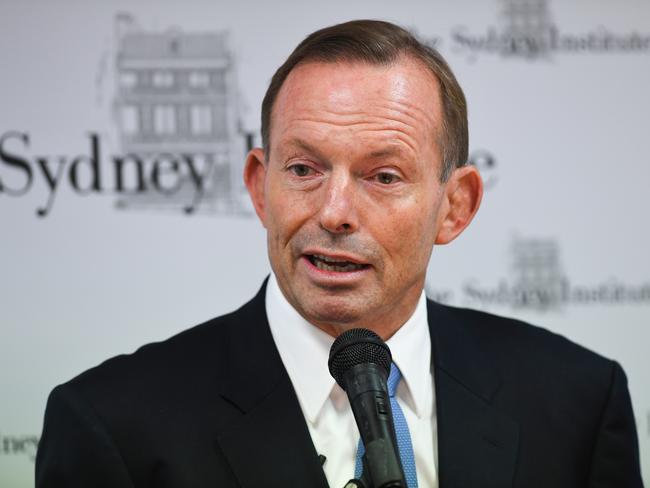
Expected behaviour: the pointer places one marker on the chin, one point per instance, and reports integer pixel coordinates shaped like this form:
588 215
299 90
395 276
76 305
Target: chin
335 312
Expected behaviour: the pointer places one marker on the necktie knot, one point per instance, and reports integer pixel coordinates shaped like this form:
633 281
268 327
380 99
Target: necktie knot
393 379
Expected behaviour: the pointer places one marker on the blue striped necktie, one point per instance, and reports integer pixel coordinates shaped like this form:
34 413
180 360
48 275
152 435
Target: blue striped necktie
402 432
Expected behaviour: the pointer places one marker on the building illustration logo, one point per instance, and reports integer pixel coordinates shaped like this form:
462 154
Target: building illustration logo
537 281
180 143
176 109
528 21
537 273
526 29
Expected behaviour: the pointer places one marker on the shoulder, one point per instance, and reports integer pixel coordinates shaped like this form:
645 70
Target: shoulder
191 361
522 350
162 402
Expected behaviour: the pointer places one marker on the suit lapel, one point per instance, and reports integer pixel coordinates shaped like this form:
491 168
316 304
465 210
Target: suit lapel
477 444
269 444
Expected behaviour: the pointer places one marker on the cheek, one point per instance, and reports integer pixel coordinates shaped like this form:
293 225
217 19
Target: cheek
286 214
411 233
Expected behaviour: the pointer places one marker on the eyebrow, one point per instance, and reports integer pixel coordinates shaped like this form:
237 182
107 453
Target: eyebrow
387 153
302 145
292 148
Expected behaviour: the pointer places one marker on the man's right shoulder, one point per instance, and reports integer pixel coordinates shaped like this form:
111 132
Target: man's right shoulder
199 353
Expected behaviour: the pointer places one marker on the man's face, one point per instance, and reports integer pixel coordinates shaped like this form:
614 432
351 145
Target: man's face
350 194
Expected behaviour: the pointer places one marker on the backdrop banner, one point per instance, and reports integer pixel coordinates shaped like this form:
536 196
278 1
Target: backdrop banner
123 131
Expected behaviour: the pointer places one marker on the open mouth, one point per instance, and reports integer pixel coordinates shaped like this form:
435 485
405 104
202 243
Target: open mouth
326 263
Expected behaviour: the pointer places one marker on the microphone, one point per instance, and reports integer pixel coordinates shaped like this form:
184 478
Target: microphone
360 363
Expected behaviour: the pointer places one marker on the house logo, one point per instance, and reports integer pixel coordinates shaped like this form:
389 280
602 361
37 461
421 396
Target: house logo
176 113
537 281
527 29
176 100
537 273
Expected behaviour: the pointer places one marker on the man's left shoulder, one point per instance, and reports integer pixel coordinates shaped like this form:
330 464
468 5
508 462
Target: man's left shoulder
531 350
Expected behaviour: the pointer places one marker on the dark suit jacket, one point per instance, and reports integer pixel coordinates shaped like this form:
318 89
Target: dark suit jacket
213 406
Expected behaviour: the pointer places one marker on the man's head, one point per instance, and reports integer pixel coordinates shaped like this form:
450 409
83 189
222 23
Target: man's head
380 43
351 184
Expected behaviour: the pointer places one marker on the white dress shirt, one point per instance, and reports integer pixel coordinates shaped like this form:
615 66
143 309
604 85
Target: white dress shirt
304 349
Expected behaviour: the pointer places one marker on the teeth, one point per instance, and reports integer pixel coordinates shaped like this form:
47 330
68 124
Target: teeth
329 259
326 263
338 268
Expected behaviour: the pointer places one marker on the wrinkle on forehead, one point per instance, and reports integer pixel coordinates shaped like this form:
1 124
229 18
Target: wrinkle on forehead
393 130
401 100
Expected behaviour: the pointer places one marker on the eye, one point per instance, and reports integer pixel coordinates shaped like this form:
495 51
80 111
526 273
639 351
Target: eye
386 178
300 170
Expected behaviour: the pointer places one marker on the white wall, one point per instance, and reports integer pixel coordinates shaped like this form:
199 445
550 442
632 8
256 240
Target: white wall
567 133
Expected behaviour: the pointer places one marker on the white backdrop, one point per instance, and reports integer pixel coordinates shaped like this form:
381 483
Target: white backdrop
558 97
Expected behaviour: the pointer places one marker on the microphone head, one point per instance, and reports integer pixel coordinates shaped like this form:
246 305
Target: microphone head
354 347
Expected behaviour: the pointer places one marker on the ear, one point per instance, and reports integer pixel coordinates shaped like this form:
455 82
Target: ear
463 194
254 178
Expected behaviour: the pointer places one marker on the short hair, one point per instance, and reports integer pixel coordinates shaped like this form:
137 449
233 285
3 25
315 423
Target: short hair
380 43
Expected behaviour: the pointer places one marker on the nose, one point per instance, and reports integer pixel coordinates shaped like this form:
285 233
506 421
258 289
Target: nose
338 212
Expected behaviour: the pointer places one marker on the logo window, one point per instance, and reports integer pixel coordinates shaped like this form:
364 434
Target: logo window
130 120
128 79
199 79
201 119
164 119
163 78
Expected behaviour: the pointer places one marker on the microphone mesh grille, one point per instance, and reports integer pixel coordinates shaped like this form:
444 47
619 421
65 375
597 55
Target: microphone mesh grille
357 346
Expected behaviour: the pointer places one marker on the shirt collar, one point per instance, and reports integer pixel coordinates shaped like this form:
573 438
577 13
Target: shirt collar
410 347
304 349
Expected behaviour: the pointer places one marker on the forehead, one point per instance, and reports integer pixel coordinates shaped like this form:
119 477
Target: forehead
399 100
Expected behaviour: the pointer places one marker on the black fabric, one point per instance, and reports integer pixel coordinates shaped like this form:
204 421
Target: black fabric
213 406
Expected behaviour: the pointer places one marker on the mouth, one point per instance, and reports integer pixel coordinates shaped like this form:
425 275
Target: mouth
335 265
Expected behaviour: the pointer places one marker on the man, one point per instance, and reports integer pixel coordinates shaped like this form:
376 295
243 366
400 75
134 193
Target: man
362 171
